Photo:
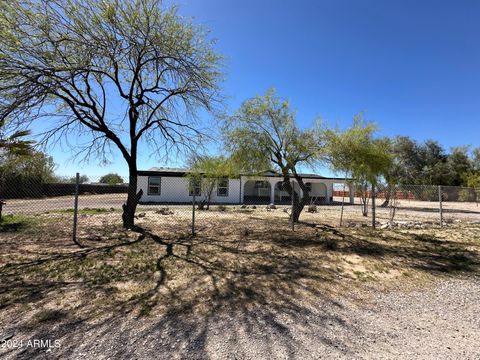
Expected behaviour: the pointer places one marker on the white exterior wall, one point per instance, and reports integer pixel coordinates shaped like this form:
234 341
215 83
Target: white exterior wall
175 190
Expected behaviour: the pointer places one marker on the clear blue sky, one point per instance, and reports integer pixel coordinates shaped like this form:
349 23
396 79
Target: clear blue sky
412 66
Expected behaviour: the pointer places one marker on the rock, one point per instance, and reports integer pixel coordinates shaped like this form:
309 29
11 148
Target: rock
271 207
243 206
141 215
164 211
312 208
254 207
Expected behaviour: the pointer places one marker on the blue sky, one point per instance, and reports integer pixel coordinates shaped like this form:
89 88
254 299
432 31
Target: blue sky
412 66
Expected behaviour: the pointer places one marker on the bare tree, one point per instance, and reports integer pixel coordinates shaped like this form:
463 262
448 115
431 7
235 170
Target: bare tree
112 74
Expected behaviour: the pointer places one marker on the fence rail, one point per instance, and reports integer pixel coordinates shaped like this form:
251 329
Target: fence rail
101 205
36 189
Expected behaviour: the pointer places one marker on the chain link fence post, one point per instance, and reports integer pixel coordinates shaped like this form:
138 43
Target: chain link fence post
440 204
293 205
75 209
374 225
193 213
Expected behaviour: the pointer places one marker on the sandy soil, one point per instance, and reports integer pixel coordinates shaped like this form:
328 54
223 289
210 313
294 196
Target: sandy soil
407 210
246 287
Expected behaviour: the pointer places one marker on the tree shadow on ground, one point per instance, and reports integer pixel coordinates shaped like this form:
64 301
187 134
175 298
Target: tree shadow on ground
253 290
436 210
420 251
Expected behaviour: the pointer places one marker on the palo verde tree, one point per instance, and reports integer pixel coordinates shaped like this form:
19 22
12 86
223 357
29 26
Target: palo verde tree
204 174
113 74
263 135
357 153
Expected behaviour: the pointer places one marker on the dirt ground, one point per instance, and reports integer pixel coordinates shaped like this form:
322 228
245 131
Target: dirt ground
406 210
244 287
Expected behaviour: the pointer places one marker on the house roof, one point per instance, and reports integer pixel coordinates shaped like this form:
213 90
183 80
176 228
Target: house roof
164 171
174 172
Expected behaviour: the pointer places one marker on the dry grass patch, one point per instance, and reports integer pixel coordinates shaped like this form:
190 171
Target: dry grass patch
237 261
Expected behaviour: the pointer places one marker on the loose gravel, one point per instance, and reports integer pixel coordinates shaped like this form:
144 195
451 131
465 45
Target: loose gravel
435 321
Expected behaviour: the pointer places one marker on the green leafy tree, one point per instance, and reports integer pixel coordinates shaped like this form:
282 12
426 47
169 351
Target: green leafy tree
204 174
458 165
117 72
111 179
12 144
23 176
429 164
476 159
263 135
358 154
82 179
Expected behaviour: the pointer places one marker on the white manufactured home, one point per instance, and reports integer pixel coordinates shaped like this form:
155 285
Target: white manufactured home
171 185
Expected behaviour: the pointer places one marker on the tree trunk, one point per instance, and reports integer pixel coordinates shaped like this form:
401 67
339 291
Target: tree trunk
1 196
298 205
343 199
364 200
133 198
388 194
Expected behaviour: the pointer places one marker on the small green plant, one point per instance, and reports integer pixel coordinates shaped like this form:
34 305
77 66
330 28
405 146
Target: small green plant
11 223
88 211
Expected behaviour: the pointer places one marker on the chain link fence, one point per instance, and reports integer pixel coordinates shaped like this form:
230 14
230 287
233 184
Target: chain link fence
407 205
83 207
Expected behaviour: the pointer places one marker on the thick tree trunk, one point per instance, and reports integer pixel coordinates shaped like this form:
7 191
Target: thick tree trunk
133 198
1 195
298 203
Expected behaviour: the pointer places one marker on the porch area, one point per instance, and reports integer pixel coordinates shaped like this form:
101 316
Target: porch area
269 190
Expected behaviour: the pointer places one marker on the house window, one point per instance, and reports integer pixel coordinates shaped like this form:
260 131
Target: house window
195 187
154 183
222 187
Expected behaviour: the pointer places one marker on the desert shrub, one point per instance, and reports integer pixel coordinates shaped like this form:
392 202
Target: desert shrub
466 195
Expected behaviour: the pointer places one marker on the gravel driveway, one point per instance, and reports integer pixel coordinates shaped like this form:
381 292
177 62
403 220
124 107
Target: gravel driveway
32 206
439 321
